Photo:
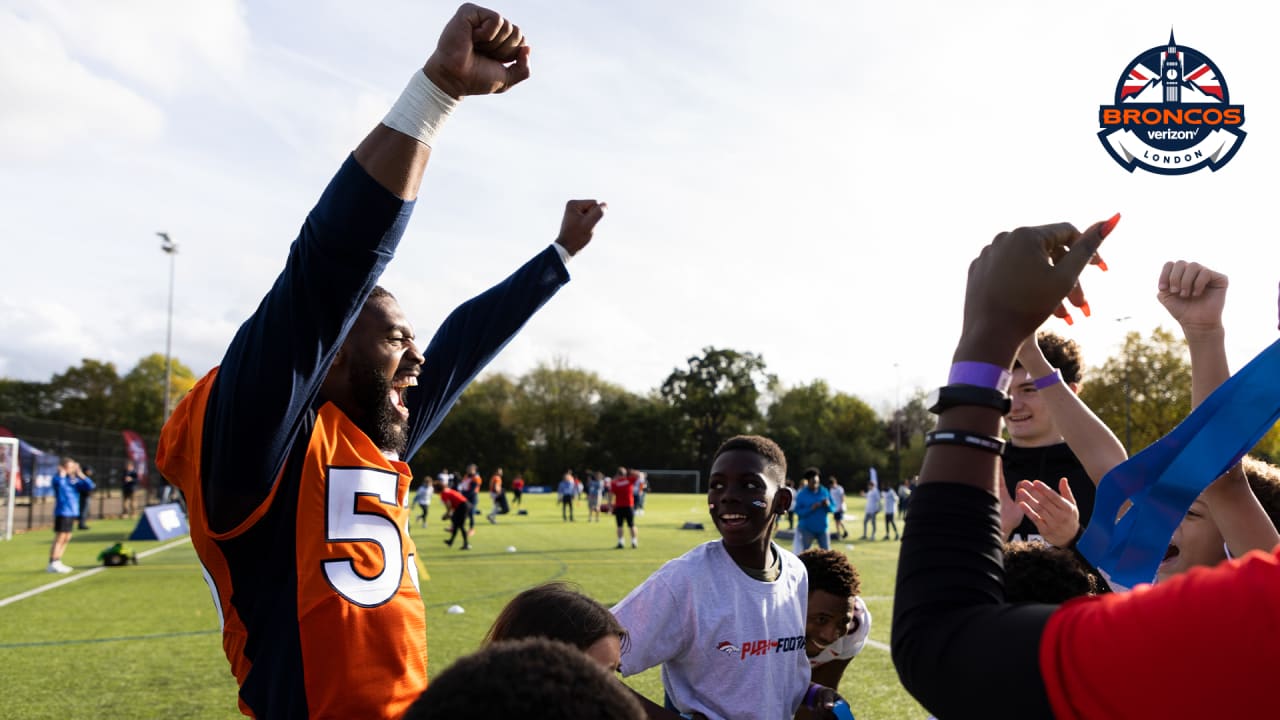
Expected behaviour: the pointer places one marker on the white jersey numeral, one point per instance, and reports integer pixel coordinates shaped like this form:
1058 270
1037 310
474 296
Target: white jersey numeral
344 523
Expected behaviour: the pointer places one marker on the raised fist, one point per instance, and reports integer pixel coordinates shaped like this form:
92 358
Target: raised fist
479 53
580 218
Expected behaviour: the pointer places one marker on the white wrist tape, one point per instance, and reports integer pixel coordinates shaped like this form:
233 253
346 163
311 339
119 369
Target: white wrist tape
421 110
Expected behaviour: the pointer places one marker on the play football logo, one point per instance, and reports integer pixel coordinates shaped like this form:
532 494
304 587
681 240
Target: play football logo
1172 114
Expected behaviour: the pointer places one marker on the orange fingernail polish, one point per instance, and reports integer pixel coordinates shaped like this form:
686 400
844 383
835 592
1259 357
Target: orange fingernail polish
1110 225
1102 264
1084 307
1067 317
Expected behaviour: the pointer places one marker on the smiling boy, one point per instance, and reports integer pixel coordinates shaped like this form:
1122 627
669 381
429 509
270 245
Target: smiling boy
837 622
726 620
1036 448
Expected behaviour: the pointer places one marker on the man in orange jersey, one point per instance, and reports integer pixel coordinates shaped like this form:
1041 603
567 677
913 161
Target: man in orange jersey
292 452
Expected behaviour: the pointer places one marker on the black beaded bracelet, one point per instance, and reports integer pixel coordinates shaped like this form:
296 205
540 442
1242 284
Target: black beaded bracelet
977 441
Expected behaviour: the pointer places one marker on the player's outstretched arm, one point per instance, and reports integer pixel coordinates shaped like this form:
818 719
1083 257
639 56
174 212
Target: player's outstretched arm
272 372
1089 438
1195 296
477 330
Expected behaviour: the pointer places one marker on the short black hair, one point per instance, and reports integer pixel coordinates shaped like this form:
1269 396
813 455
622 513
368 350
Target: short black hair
532 678
831 571
812 472
558 611
380 292
1035 572
1062 354
760 445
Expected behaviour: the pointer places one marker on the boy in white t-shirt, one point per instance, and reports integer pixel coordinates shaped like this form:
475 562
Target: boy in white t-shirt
726 620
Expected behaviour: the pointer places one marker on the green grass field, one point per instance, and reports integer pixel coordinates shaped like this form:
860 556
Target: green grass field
142 641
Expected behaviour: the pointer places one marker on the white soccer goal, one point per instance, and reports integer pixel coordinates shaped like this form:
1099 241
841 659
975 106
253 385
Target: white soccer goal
673 481
8 479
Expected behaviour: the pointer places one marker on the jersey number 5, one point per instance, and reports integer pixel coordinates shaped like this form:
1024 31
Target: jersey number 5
345 523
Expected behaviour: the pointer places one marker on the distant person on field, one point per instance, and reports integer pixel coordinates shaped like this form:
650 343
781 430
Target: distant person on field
642 489
595 489
469 486
128 486
889 497
622 487
517 489
497 496
873 509
456 511
84 488
904 496
423 499
813 503
66 511
836 490
566 491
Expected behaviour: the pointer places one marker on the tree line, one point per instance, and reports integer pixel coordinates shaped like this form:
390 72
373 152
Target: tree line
556 417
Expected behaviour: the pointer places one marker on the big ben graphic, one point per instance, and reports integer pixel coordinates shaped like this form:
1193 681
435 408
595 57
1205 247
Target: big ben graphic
1172 73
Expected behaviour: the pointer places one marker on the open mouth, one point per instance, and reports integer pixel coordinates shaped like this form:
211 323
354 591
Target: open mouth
1170 553
399 389
732 520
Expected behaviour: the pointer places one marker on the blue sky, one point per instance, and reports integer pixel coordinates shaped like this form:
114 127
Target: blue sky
804 180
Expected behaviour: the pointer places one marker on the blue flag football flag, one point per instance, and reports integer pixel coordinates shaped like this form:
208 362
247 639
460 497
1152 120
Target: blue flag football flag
1164 479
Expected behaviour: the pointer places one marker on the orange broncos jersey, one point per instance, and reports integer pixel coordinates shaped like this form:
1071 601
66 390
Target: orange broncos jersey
317 589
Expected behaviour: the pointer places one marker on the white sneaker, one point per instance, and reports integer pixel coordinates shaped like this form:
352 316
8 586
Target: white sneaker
57 567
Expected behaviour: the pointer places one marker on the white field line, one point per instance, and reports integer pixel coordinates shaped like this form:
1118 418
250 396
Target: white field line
82 575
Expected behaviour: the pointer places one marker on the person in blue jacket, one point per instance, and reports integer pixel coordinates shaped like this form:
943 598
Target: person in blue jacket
813 502
66 510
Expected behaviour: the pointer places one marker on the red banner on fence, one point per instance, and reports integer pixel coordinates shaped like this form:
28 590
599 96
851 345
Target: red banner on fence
136 450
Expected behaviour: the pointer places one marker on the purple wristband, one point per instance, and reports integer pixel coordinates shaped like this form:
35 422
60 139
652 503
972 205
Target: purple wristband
1049 380
812 694
970 372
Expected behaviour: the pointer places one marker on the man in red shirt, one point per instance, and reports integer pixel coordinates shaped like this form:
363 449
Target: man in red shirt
622 487
457 509
517 489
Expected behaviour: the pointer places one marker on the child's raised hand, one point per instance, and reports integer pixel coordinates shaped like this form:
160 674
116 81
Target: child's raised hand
1194 295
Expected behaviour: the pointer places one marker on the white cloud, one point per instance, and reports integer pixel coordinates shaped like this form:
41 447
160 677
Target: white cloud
51 101
160 44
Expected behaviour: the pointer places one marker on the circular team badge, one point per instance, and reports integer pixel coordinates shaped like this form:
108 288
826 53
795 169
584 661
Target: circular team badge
1172 114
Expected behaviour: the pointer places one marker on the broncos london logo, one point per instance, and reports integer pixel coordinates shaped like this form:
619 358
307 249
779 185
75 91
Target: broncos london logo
1172 114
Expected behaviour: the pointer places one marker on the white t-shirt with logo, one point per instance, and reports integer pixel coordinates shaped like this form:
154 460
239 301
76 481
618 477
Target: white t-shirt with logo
730 646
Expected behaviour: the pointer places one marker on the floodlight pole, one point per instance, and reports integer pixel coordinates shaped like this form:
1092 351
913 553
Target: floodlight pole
171 249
